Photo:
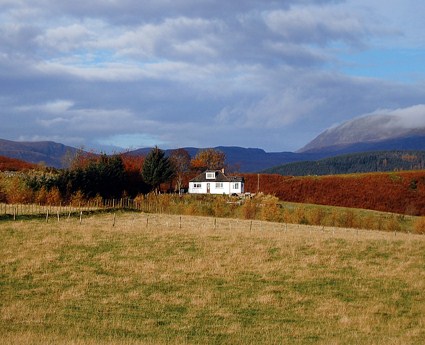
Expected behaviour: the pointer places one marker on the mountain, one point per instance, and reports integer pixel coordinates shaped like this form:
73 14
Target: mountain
355 163
237 158
371 133
45 152
247 159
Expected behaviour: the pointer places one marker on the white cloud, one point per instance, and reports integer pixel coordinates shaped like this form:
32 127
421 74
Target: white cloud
410 118
64 38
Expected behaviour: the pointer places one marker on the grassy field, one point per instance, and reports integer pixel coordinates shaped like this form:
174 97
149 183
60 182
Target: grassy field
148 279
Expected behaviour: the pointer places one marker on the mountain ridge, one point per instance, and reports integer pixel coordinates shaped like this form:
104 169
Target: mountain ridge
370 132
237 158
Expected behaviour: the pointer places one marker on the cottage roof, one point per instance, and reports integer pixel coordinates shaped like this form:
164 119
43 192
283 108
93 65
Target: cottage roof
219 177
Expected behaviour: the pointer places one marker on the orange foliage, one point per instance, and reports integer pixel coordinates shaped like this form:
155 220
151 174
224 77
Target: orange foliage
12 164
210 159
401 192
83 159
132 163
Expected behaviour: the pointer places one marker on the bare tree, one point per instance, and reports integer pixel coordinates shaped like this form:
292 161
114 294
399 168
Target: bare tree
180 159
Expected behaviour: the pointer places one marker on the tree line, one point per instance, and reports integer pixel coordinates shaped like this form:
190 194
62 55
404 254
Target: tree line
114 176
355 163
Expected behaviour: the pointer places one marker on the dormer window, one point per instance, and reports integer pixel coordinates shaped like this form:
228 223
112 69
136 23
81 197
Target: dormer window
210 175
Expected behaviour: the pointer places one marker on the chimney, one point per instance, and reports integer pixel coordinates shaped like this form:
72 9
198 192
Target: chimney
222 170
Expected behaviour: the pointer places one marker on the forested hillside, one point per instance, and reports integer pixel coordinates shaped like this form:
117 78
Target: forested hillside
355 163
398 192
12 164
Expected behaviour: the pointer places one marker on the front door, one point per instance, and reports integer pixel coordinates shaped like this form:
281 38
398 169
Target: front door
208 188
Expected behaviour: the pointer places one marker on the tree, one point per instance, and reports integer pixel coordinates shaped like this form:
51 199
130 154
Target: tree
180 159
157 168
210 159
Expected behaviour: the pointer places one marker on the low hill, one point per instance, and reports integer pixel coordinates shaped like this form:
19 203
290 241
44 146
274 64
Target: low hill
398 192
355 163
12 164
45 152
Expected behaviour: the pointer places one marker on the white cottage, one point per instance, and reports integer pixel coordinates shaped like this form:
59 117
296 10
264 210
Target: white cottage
216 182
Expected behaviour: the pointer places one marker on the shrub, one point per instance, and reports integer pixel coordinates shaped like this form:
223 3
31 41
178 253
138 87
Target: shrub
17 192
249 209
54 196
270 209
419 226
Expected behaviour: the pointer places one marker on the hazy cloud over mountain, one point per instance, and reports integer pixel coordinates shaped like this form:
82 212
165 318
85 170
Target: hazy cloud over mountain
270 74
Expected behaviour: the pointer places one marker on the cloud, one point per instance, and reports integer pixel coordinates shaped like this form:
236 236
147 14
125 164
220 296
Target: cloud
52 107
317 25
133 140
63 38
274 110
190 72
409 118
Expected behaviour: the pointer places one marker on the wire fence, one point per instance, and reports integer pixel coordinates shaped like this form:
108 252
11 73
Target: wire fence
149 205
219 208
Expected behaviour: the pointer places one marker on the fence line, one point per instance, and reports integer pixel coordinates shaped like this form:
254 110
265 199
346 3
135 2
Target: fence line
148 206
169 204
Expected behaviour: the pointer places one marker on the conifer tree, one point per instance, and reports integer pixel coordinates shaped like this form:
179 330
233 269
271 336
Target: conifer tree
157 168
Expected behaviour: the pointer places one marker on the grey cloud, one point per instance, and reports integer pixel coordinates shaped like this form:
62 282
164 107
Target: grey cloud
200 73
318 25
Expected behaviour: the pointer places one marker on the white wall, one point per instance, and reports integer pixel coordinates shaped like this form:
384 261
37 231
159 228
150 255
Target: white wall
227 188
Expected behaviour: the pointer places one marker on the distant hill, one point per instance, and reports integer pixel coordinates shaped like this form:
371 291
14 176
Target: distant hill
246 159
46 152
237 158
355 163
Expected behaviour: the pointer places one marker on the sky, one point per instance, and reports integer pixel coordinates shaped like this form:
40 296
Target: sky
114 75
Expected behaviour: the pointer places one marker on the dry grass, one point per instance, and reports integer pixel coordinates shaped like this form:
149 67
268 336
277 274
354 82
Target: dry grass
153 279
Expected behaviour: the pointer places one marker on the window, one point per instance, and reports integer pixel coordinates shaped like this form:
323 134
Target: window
236 185
219 185
197 185
210 175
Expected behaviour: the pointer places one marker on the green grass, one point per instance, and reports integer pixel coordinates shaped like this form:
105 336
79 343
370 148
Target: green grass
94 283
